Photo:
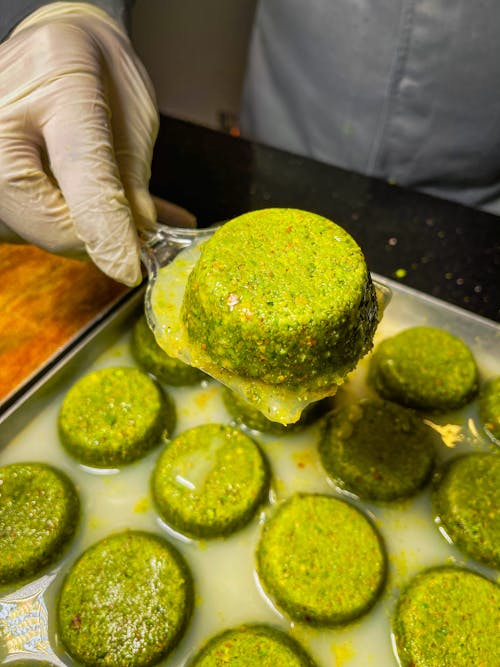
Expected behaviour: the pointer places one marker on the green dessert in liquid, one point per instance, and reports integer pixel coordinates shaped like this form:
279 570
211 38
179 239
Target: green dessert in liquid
448 616
377 450
466 501
248 645
114 416
39 515
424 368
210 480
126 601
321 560
150 357
489 408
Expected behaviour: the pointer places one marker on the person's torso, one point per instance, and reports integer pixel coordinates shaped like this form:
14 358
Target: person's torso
406 90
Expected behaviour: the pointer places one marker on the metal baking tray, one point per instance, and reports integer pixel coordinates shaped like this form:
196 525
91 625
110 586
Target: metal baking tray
34 392
30 426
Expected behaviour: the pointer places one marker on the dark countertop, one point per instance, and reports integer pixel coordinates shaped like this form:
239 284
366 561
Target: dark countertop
444 249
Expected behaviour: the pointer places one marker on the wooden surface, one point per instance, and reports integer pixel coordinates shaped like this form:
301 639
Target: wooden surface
45 300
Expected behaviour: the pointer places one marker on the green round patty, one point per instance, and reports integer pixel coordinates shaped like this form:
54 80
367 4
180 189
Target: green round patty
250 645
154 360
466 501
377 450
424 368
245 414
114 416
284 296
489 407
210 480
39 514
126 601
321 560
448 616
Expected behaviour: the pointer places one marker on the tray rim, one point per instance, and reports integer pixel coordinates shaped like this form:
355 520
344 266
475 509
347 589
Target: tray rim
437 303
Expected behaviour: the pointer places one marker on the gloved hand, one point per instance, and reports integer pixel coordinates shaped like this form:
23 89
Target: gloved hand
78 122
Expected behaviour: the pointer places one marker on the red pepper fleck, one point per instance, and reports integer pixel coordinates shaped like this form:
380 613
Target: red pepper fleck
76 622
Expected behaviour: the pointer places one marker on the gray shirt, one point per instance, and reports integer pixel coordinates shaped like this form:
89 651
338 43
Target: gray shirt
13 12
405 90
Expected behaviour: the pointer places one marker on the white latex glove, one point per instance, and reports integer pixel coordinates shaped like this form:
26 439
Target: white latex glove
78 122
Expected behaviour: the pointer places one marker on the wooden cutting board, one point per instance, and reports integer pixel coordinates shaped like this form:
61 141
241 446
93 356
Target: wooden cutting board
45 300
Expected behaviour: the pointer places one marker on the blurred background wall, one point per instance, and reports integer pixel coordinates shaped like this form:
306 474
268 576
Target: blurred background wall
195 53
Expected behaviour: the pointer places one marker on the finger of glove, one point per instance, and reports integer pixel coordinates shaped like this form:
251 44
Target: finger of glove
173 214
31 205
135 122
78 136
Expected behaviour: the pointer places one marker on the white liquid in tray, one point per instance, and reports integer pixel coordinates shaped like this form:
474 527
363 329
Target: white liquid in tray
227 590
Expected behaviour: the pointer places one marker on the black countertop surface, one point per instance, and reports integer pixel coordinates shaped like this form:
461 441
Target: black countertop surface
444 249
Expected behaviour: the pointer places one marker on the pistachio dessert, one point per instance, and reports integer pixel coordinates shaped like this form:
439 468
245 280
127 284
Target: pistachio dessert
245 414
466 502
114 416
126 601
248 645
424 368
39 514
210 480
149 355
321 560
377 450
278 304
489 407
448 616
